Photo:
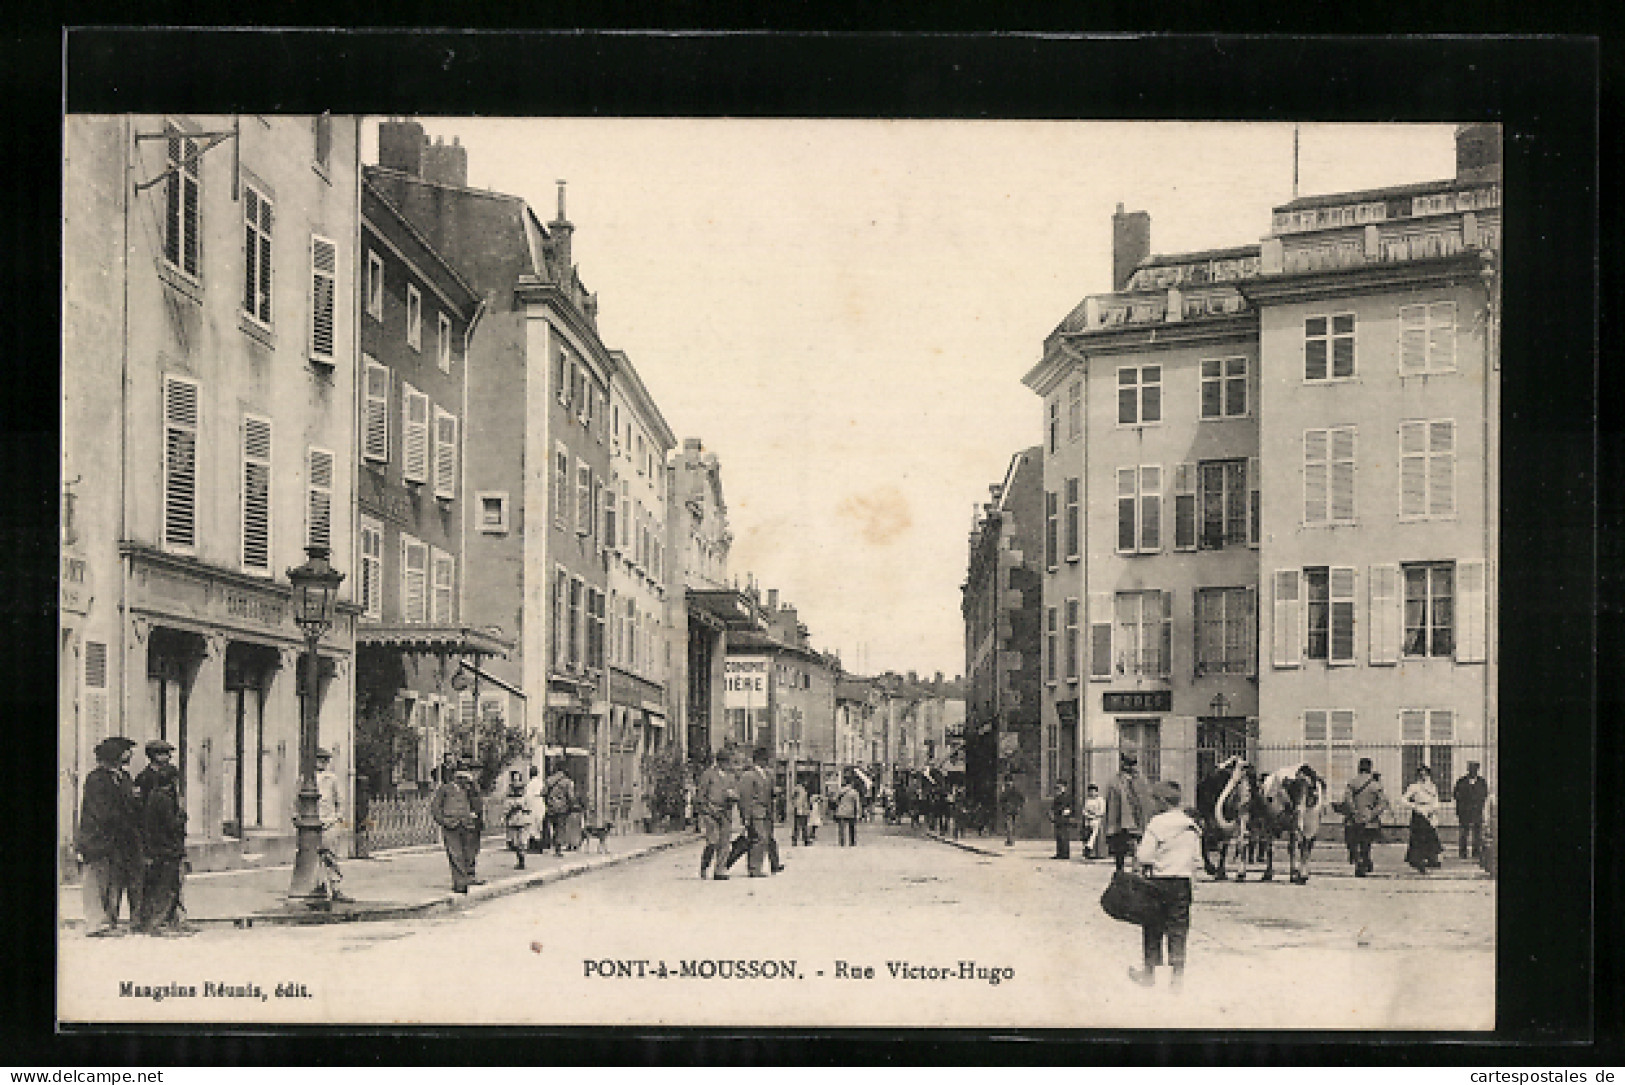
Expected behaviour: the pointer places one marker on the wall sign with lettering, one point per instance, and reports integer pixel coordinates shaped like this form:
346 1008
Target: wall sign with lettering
1138 700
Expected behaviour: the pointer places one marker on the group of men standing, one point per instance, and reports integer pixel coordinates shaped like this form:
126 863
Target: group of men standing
132 841
724 782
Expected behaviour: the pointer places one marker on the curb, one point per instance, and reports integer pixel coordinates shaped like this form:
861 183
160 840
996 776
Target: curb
448 901
960 844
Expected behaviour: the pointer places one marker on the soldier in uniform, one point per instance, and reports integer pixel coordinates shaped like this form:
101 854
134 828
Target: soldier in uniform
715 791
756 806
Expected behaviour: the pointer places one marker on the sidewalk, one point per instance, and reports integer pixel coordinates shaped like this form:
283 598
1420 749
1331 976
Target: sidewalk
390 885
1328 860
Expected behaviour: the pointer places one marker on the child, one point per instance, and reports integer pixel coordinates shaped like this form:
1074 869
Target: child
1094 813
1169 853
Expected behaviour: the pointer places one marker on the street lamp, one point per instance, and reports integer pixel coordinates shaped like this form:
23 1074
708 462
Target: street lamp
315 590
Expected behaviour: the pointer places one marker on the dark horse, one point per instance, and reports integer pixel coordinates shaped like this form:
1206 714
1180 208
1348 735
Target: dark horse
1225 799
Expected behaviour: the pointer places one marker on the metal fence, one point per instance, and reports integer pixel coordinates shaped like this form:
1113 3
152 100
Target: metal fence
1395 763
404 822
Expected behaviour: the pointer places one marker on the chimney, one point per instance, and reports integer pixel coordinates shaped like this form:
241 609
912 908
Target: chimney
446 164
772 599
1131 243
561 230
1478 152
400 146
692 444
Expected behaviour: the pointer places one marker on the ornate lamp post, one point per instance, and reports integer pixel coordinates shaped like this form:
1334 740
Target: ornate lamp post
315 590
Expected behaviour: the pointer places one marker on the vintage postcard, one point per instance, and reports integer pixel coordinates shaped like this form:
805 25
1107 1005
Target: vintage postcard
779 572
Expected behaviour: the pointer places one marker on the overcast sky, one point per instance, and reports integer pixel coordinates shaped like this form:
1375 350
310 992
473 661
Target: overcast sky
843 310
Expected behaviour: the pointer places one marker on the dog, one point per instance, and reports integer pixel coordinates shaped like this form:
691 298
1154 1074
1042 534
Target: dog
599 833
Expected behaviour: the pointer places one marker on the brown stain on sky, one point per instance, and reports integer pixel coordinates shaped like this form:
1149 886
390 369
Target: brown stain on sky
882 515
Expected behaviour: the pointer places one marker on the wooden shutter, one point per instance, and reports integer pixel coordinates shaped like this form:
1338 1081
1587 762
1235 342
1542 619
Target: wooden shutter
414 317
415 405
414 579
1413 469
1413 726
1150 508
1472 610
181 241
1441 468
1251 624
1051 529
1165 638
1442 336
1340 648
1127 490
1072 513
444 581
1287 636
323 297
256 255
1341 470
372 568
584 501
95 688
319 504
1185 506
180 462
1384 615
256 536
375 420
1413 340
1100 636
443 344
1315 482
445 454
1255 510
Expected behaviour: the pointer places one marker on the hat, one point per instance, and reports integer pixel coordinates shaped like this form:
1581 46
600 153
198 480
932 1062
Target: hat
1472 766
1166 792
323 751
158 745
1127 758
113 747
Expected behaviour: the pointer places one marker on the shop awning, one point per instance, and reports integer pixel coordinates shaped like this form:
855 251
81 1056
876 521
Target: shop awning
733 610
432 639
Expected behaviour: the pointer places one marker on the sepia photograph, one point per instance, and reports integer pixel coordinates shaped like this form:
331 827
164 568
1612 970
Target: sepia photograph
762 572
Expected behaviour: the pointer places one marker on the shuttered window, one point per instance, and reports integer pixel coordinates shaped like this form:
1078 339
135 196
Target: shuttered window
442 610
561 618
375 414
1430 590
575 626
1328 347
1074 410
372 568
1052 621
1341 583
561 486
443 344
1473 591
1428 738
323 298
1072 497
1427 469
1286 646
256 510
319 499
1255 511
1051 528
595 629
612 532
375 286
1328 476
96 688
1223 503
445 454
1384 614
1185 506
414 580
1072 646
182 239
415 430
1144 634
1328 739
1100 636
584 502
1427 338
414 317
256 254
180 462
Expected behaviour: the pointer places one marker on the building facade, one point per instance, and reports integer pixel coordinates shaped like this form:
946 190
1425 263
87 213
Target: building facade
209 360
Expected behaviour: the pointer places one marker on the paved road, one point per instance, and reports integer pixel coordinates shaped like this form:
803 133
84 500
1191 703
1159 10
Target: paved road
1337 953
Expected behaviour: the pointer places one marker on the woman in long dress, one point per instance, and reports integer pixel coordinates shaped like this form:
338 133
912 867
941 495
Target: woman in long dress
1423 799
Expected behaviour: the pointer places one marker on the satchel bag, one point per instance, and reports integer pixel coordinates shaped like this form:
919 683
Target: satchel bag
1131 898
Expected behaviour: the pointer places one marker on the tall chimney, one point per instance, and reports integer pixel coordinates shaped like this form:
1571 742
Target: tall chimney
1478 152
400 146
446 164
772 599
1131 243
561 230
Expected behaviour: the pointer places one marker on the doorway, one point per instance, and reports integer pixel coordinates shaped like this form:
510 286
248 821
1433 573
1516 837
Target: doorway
1219 738
1143 738
249 669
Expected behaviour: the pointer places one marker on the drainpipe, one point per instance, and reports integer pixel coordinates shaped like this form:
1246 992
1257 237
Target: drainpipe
1491 281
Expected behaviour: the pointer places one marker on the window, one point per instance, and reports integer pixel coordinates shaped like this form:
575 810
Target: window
1144 739
583 499
323 132
1139 510
561 486
1328 739
595 629
612 536
443 344
414 318
1074 410
1051 527
1100 636
375 286
1427 737
1054 426
1185 506
1286 642
1328 476
1224 630
256 254
375 414
1328 340
494 707
415 448
1139 395
256 494
1255 503
445 574
493 513
643 456
445 454
319 498
630 625
180 462
561 619
1427 469
575 623
1427 338
414 580
1072 620
584 400
1224 504
578 390
1329 595
1144 632
324 266
1051 759
1429 613
561 359
372 568
1051 642
1072 491
95 687
182 244
1224 388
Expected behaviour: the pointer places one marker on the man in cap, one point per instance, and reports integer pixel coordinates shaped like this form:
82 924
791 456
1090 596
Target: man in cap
163 822
711 798
1471 793
1128 808
109 839
756 806
456 809
330 808
1061 815
1011 800
1363 804
1168 852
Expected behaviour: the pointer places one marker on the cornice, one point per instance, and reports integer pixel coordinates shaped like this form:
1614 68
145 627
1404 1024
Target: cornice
1361 279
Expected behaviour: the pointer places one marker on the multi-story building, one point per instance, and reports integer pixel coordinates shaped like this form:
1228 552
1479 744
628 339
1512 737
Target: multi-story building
641 721
417 316
1380 444
1003 609
208 383
538 461
782 695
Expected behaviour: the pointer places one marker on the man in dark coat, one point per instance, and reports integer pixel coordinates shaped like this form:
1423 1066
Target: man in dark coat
561 799
1061 814
163 821
1471 792
711 799
109 839
1363 806
756 807
1011 800
1128 808
456 809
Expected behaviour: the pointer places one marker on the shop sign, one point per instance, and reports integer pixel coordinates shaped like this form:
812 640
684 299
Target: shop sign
745 681
1138 700
75 584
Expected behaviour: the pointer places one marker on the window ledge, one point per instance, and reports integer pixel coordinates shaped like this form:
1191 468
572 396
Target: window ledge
261 333
183 284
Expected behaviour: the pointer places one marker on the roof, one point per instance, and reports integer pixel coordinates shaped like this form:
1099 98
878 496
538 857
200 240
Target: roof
1175 258
1415 188
732 609
640 397
468 298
